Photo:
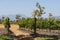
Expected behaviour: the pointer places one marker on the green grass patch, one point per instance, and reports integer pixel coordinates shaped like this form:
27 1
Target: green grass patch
42 38
5 37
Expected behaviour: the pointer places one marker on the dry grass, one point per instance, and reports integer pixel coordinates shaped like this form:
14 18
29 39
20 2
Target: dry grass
2 26
15 29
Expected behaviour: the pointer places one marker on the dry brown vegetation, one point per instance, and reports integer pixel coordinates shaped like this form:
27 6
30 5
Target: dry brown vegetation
15 29
1 26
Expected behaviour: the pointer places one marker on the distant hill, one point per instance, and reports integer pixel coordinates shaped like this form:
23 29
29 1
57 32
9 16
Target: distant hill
12 17
57 17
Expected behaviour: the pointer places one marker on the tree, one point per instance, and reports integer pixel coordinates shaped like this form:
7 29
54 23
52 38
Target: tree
37 13
50 16
2 18
7 23
17 17
0 21
50 19
34 25
40 10
50 22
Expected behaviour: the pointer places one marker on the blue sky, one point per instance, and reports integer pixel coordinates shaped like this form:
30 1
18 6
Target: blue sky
26 7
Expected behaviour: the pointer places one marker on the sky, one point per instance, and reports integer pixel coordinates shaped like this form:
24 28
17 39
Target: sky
26 7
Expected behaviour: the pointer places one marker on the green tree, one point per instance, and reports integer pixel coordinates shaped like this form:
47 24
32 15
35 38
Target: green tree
37 13
7 23
40 10
17 17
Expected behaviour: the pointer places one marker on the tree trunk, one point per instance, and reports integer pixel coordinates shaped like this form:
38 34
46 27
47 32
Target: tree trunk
8 28
35 26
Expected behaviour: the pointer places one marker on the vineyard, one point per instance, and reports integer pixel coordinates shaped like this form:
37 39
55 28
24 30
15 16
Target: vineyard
30 28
